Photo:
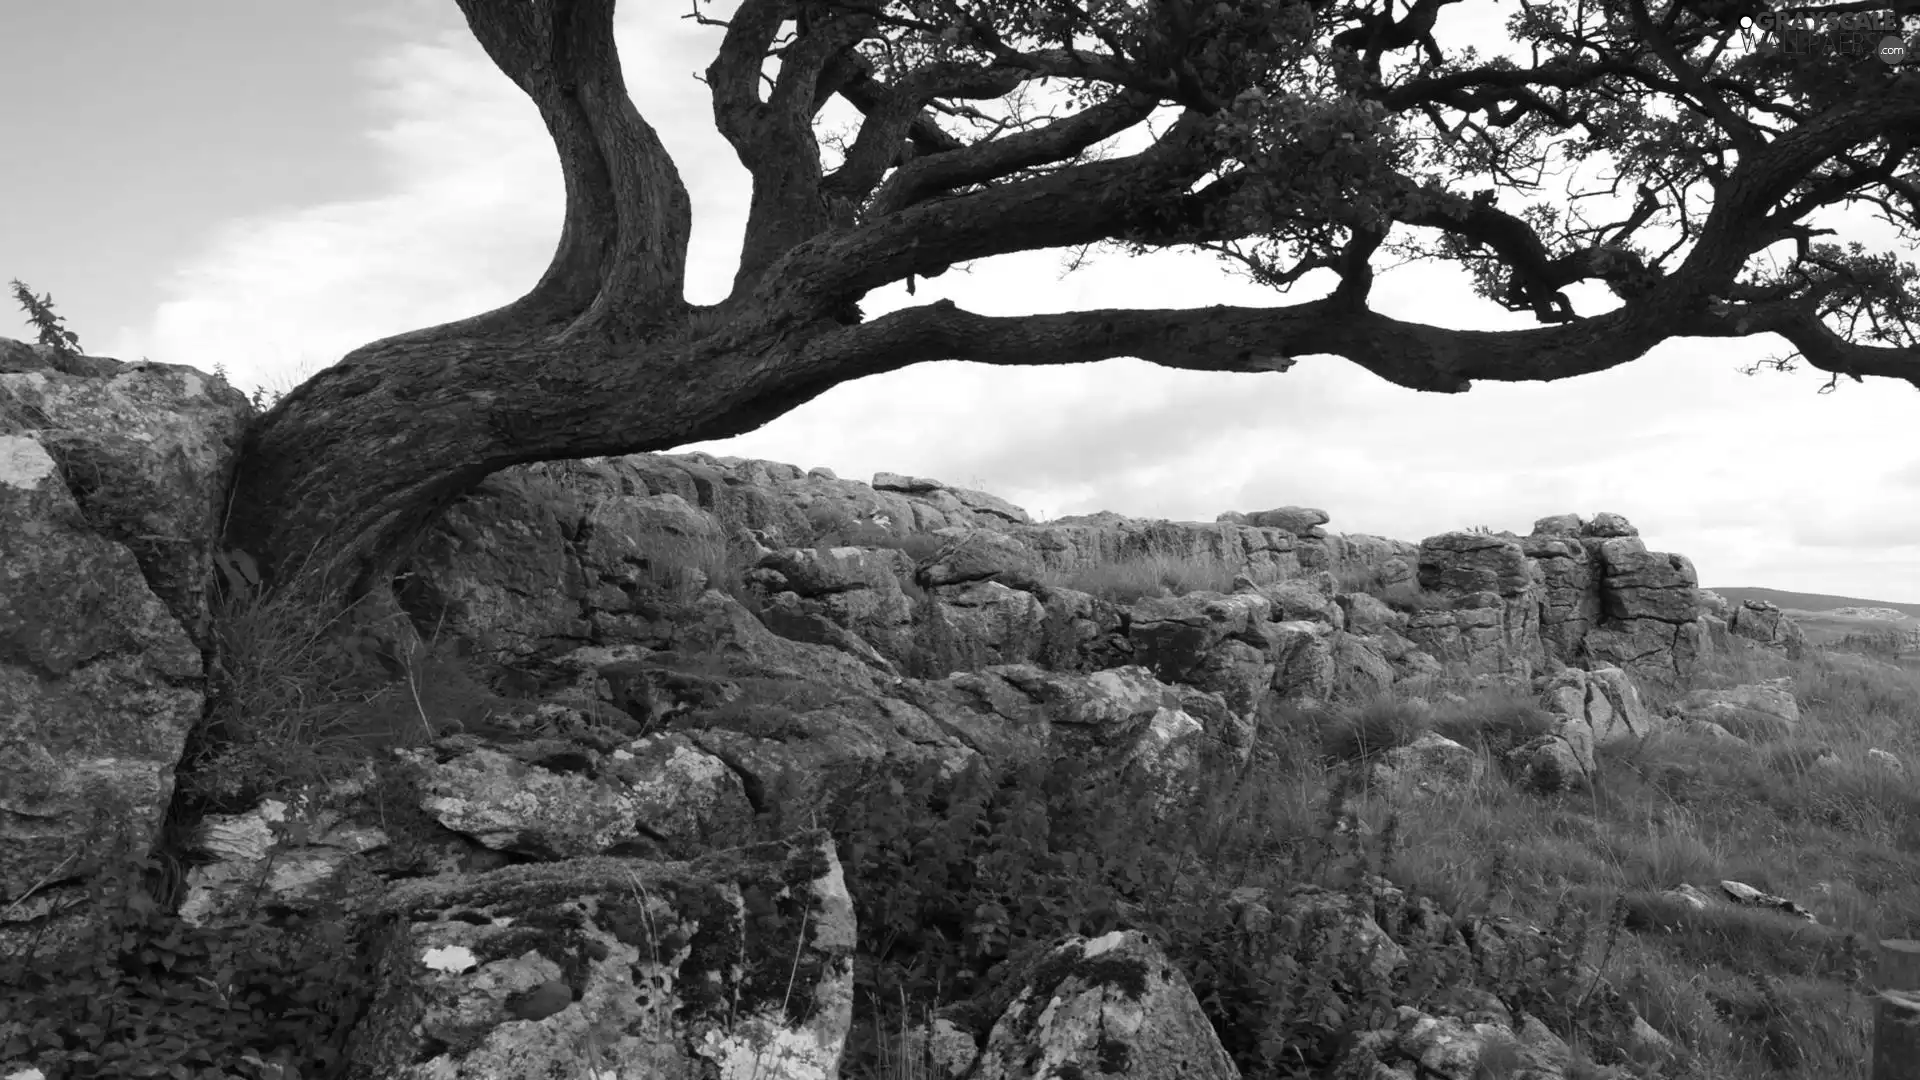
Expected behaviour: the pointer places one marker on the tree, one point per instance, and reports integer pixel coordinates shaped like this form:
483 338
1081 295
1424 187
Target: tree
1292 137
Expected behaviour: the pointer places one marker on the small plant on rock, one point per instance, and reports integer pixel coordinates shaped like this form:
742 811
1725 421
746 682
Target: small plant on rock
51 326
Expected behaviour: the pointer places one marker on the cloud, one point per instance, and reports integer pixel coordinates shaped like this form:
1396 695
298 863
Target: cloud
468 222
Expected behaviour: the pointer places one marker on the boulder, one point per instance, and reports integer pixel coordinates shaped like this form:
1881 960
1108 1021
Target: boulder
1302 653
1764 623
1298 520
1360 667
976 625
1430 765
1640 584
1365 614
1465 562
1492 623
1757 712
849 598
1590 708
982 555
111 486
1607 525
643 966
1221 643
1082 632
1109 1006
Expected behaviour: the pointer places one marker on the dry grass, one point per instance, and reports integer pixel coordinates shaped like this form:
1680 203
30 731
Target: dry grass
1160 571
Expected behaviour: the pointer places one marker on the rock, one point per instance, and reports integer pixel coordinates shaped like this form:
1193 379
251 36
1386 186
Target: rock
1764 623
1560 525
1430 765
1311 599
1887 762
1302 654
1748 896
1757 712
1604 700
1480 633
1492 623
286 853
111 486
1608 525
912 485
1689 896
1641 584
1465 562
1559 761
531 803
1591 708
1082 632
1359 556
643 960
943 1048
1370 615
1210 641
1360 668
1648 607
976 503
1569 592
654 716
982 555
848 598
1298 520
976 625
1112 1005
683 797
1077 543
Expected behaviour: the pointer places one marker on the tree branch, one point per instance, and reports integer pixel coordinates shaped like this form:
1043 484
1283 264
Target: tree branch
988 161
877 146
1812 338
774 138
1235 339
628 218
1075 205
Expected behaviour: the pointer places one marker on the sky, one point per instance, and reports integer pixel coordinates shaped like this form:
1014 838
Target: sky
264 185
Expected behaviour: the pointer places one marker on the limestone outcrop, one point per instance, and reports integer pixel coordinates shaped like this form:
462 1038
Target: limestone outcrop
111 484
677 649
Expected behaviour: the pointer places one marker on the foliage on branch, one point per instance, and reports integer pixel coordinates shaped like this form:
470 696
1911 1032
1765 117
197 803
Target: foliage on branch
1661 151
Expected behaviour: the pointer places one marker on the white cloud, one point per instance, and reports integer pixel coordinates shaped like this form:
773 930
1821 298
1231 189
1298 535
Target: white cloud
1726 469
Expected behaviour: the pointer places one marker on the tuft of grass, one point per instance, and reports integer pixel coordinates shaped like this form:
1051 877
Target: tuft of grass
1159 571
1359 733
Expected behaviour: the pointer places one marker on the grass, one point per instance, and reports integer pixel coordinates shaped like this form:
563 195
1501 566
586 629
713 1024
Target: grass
949 889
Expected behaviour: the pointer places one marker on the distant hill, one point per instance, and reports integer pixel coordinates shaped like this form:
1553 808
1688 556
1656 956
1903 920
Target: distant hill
1800 601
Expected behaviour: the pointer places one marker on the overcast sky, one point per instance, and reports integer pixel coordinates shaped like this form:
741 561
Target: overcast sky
266 184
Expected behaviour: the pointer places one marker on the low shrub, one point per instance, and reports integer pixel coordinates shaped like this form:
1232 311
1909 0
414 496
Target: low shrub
954 879
149 995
